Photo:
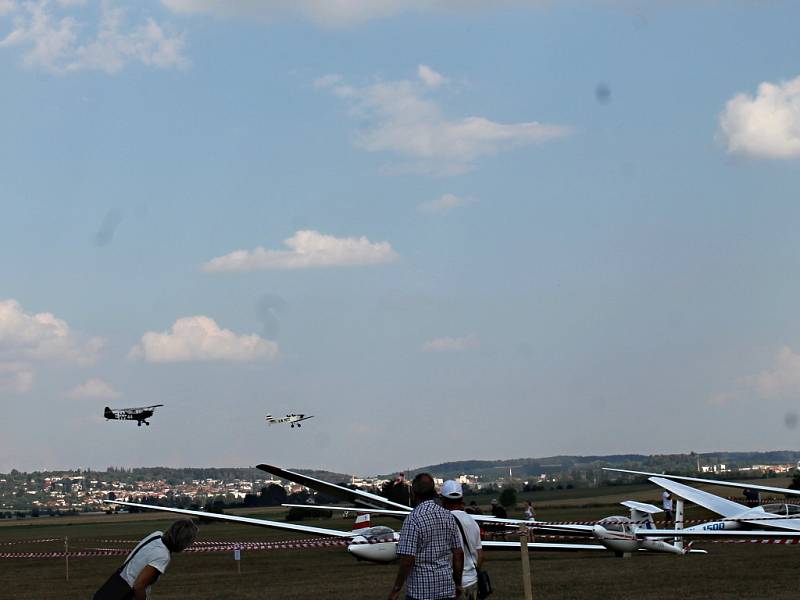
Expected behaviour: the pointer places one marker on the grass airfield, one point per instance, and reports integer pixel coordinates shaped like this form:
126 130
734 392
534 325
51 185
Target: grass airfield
728 571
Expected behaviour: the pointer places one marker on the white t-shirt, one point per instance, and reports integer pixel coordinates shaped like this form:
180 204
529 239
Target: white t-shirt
666 500
154 554
473 534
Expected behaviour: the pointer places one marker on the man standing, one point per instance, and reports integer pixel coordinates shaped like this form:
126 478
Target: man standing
666 502
453 500
431 558
498 511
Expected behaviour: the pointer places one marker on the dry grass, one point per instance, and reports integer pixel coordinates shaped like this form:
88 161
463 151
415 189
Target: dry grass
730 571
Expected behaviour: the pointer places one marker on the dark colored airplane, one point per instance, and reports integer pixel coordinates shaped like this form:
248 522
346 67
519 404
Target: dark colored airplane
139 414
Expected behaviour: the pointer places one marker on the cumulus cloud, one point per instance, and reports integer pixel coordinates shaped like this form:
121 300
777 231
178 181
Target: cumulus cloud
429 76
443 204
42 336
452 344
328 13
307 249
68 37
781 379
766 125
193 339
16 377
93 389
401 118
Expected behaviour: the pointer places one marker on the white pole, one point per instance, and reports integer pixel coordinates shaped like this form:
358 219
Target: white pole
678 520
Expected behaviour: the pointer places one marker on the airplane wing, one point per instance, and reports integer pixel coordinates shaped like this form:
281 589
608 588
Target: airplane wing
712 502
752 486
750 534
243 520
360 497
541 546
537 525
352 509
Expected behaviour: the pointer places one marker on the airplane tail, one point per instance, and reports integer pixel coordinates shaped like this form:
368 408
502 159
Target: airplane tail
108 413
642 513
362 522
269 419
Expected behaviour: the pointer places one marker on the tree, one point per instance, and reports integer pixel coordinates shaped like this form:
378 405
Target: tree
508 497
273 495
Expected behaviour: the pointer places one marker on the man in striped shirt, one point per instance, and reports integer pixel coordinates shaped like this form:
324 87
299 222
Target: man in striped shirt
431 555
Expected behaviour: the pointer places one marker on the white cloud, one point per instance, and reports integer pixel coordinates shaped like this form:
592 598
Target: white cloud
16 377
93 389
780 380
764 126
399 117
430 77
307 249
7 7
452 344
199 338
65 39
443 204
42 336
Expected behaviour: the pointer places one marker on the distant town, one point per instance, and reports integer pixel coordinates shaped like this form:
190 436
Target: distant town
54 493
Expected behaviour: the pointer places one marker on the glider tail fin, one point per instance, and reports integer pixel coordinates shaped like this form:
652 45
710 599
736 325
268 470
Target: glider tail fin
362 522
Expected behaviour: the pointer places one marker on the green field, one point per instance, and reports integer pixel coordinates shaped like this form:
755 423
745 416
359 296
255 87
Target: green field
729 571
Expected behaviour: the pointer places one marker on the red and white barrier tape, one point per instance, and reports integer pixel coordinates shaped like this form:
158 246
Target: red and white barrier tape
36 541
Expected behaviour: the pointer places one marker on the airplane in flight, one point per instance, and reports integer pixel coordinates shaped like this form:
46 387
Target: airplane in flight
769 521
292 418
615 533
139 414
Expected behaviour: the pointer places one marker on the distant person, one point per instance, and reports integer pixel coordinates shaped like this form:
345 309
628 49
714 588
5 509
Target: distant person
473 508
431 558
530 514
453 500
150 559
752 497
666 503
497 510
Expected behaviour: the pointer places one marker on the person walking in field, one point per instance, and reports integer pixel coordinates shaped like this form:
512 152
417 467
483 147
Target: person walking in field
430 550
530 514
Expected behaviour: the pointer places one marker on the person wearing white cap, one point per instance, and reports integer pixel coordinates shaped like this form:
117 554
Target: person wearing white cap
453 500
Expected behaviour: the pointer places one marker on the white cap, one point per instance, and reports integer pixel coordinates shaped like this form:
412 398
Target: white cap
452 490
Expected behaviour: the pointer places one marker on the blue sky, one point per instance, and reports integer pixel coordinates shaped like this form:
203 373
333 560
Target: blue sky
447 231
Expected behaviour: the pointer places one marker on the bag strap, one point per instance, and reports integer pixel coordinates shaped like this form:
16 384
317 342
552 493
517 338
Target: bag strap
142 545
466 542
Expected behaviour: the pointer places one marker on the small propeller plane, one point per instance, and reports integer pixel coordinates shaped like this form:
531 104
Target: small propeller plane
769 521
292 418
139 414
